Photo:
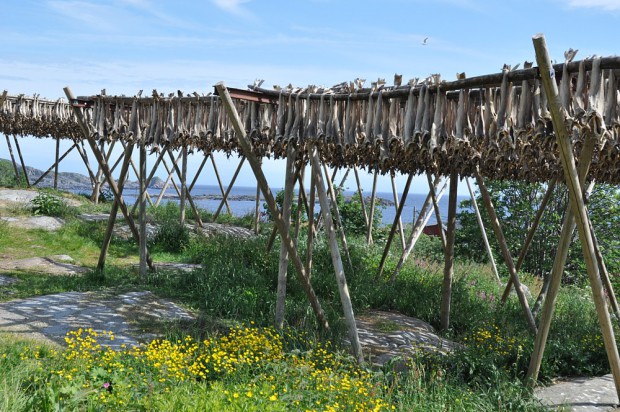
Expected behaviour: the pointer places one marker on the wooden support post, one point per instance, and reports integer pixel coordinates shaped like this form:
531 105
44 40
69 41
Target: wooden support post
142 216
257 206
341 280
56 164
423 218
228 189
82 153
21 160
183 178
8 143
300 203
442 233
246 148
483 232
169 179
311 228
386 250
362 201
184 189
578 206
106 172
202 165
372 208
530 236
401 230
160 157
499 234
448 271
289 184
136 171
334 204
613 302
219 182
344 179
114 211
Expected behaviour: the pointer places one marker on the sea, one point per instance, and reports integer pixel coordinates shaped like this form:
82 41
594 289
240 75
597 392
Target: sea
242 201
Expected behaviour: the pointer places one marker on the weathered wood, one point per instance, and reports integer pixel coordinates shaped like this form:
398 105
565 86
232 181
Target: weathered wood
8 143
197 175
21 160
184 188
499 235
257 209
483 232
160 157
372 208
300 203
442 233
108 175
530 236
448 270
422 220
137 172
246 148
169 179
289 185
54 165
183 178
401 230
107 237
341 280
578 206
142 216
388 243
84 157
362 201
311 227
219 182
336 213
228 189
609 289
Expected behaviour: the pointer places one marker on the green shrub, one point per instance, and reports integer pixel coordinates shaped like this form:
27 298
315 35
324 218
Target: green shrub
48 204
172 236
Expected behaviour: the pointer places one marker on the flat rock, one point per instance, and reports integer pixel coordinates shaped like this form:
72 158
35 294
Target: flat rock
94 217
581 394
211 229
387 335
52 265
24 196
35 222
133 317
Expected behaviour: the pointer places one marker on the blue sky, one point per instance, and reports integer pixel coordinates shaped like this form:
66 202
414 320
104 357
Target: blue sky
125 46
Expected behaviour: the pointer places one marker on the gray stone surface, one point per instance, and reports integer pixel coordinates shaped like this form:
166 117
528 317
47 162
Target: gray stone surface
34 222
581 394
53 265
134 317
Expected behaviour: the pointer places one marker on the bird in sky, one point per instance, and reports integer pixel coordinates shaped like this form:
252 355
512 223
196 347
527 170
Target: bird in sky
425 41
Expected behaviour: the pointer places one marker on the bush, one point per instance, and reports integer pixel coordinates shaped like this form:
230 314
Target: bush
48 204
172 236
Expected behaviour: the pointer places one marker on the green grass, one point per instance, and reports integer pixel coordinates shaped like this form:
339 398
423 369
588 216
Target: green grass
236 285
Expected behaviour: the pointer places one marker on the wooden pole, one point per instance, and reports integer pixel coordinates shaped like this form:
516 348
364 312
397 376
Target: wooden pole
341 280
401 230
442 234
613 302
289 184
219 182
8 143
336 213
257 206
499 234
300 198
82 153
114 210
311 228
142 217
183 178
202 165
229 188
136 171
372 208
106 172
362 201
169 179
246 148
160 157
56 164
184 189
483 232
386 250
21 159
448 271
423 218
52 166
530 236
576 200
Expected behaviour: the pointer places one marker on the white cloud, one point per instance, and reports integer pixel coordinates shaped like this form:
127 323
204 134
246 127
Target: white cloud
602 4
234 7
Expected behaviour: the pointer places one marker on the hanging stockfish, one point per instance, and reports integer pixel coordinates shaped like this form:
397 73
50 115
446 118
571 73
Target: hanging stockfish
596 101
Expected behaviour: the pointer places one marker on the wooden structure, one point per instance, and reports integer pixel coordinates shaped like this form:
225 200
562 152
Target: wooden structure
529 124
